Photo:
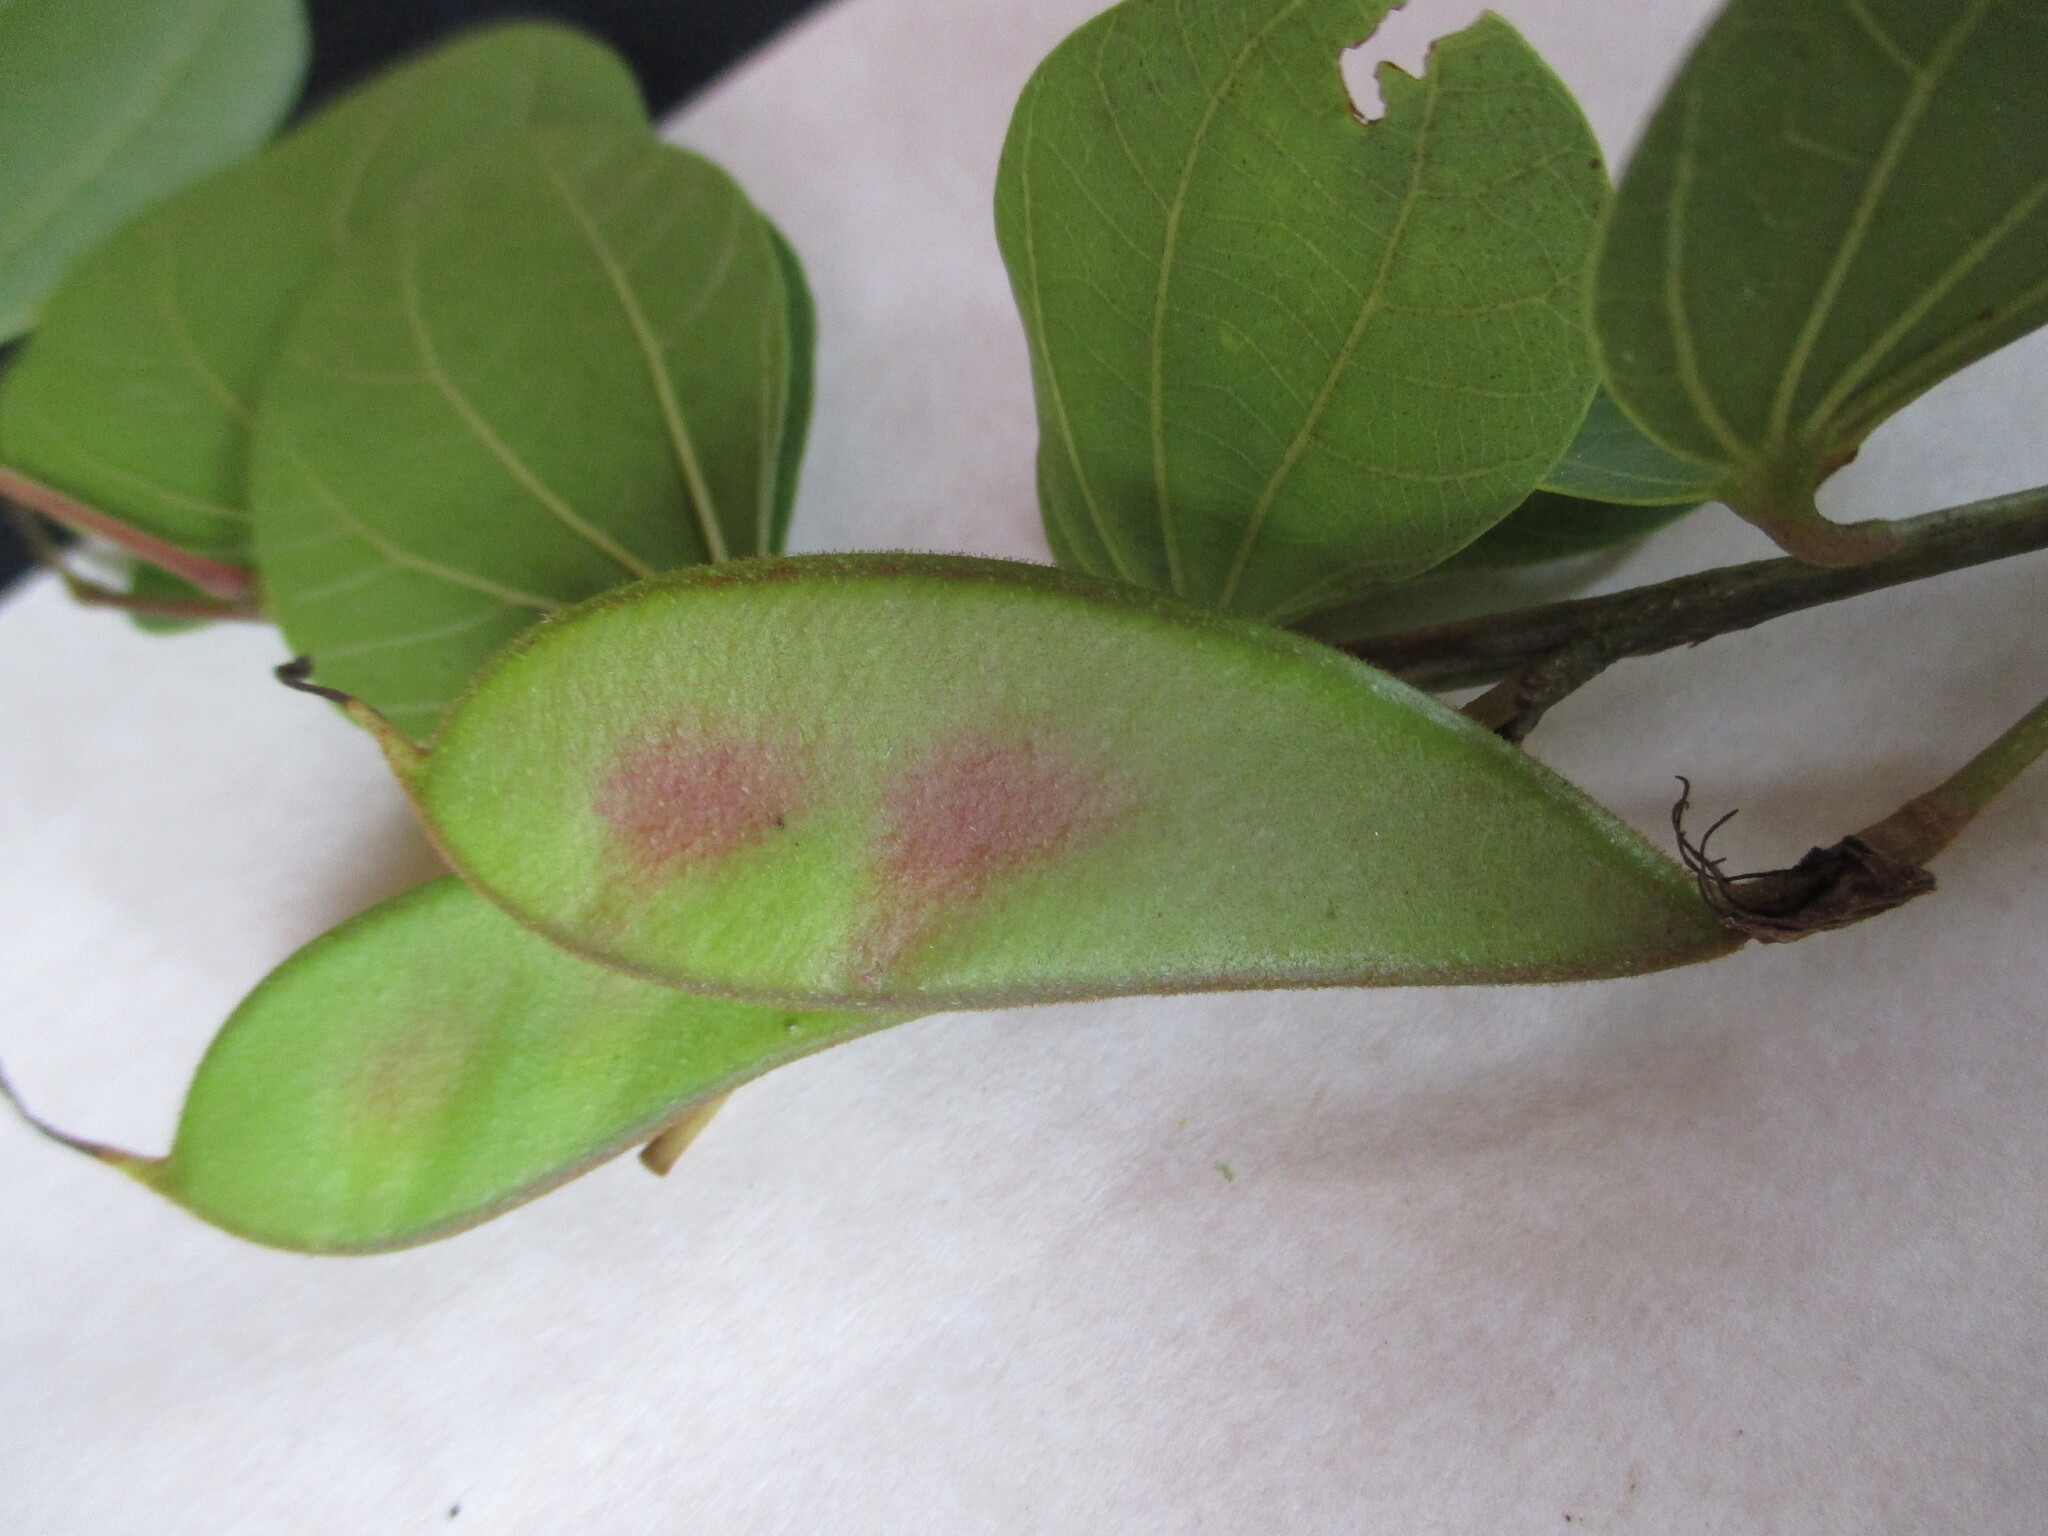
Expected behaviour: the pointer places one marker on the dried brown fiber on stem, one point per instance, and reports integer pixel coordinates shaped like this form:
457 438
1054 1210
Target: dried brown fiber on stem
1868 872
1828 888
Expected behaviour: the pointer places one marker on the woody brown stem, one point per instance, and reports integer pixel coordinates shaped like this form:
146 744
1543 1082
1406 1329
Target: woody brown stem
1691 609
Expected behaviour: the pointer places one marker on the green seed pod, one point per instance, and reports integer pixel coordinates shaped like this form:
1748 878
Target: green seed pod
919 782
430 1064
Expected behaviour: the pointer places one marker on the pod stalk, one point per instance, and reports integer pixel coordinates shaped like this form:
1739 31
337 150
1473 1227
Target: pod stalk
400 750
132 1163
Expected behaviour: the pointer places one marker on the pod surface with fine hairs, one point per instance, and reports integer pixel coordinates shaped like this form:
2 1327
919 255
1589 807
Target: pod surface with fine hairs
907 781
430 1064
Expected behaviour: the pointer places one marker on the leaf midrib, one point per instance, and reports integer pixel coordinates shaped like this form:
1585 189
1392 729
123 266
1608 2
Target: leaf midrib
497 447
1369 310
1176 210
2015 217
681 441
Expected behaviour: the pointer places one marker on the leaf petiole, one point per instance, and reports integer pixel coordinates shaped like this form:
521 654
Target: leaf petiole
230 583
91 594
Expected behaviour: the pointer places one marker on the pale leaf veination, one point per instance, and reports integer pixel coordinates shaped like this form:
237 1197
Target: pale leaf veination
567 365
1282 354
1838 205
138 393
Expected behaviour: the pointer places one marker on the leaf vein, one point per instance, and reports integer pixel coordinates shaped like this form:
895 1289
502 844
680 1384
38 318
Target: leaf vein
681 441
482 430
1368 312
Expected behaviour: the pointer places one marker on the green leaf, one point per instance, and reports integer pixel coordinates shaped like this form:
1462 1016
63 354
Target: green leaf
1531 557
1612 461
431 1064
137 394
106 107
568 365
1550 527
803 350
1839 204
1282 354
145 581
899 781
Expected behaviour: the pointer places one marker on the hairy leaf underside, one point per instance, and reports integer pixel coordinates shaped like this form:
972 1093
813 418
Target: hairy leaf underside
429 1064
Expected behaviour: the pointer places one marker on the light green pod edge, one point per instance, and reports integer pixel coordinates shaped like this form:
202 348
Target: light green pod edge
929 782
431 1064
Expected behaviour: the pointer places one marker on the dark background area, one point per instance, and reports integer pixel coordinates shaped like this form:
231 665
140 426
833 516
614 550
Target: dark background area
675 46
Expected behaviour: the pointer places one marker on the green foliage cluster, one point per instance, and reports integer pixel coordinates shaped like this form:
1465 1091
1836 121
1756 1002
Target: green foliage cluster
470 350
413 268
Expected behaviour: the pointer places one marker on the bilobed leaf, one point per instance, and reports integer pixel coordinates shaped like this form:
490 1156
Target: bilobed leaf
921 782
1612 461
1550 527
1282 354
567 365
431 1063
1839 203
107 106
137 394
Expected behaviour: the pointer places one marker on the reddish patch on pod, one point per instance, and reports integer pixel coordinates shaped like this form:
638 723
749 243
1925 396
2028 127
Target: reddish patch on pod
980 808
408 1079
691 796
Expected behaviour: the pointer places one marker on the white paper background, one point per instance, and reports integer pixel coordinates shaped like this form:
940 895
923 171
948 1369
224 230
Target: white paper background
1752 1248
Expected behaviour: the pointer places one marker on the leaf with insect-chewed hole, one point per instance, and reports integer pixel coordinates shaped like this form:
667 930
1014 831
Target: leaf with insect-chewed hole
1838 205
137 394
1282 354
923 782
571 362
107 107
430 1064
